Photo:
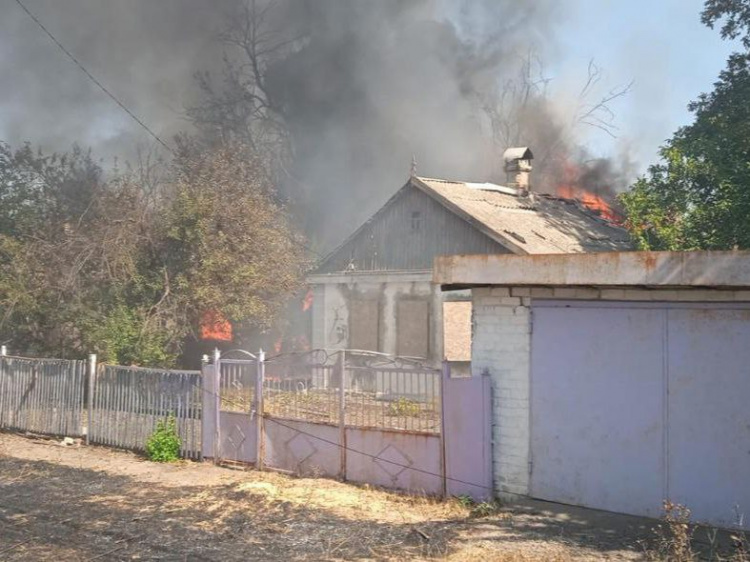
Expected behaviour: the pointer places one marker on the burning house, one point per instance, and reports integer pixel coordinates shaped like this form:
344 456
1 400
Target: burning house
375 292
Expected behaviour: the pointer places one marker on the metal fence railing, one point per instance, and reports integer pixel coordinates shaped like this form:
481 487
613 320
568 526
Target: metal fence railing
237 379
42 395
368 390
128 402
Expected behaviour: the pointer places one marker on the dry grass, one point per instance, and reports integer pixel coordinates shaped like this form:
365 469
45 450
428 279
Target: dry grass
76 503
675 540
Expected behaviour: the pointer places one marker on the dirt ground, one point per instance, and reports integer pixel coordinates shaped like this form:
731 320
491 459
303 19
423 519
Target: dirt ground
92 503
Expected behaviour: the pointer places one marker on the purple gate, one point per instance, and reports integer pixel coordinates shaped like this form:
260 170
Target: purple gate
357 416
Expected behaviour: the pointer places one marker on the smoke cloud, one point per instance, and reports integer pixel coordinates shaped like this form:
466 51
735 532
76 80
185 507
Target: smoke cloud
145 52
364 87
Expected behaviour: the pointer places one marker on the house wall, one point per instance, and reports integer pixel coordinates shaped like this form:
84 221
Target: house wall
331 308
501 346
332 320
406 235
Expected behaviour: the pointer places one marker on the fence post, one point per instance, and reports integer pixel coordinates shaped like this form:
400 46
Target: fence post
260 438
445 375
3 400
217 406
90 401
342 412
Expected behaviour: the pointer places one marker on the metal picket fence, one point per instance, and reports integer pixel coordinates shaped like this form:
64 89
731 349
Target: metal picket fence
42 395
127 403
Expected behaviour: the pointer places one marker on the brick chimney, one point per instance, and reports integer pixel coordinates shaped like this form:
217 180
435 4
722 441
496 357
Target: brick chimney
518 168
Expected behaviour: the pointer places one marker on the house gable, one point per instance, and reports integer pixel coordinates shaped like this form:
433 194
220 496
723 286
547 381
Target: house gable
406 235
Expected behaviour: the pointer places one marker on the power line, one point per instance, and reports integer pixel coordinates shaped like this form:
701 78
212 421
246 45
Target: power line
375 457
121 104
92 78
345 447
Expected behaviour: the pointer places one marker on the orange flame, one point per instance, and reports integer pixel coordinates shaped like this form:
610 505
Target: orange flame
568 190
215 327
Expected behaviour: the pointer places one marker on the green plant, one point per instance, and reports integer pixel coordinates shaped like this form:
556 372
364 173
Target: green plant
478 509
404 407
164 443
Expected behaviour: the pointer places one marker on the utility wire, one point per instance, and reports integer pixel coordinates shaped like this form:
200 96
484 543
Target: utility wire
345 447
375 457
92 78
121 104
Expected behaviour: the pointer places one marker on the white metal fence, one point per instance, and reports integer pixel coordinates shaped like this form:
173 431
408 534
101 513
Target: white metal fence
127 403
42 395
117 406
369 390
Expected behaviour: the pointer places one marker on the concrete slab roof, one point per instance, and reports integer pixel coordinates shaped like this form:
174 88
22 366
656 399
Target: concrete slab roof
610 269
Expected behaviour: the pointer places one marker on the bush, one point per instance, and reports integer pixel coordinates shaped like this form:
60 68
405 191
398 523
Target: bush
164 443
403 407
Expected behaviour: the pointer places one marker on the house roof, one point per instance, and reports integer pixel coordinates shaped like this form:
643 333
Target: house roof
544 225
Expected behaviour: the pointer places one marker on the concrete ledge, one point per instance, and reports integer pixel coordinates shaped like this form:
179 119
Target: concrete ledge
611 269
370 277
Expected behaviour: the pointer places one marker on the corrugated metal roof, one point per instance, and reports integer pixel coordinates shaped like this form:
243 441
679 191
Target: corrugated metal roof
544 225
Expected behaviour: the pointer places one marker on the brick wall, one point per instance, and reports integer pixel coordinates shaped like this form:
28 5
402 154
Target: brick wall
501 346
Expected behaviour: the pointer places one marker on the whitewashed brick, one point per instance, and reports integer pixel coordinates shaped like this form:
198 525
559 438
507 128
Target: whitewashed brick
520 292
613 294
639 295
564 292
542 293
588 294
500 292
502 345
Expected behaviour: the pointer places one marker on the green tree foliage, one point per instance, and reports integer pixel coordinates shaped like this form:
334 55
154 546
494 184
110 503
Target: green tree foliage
698 196
125 269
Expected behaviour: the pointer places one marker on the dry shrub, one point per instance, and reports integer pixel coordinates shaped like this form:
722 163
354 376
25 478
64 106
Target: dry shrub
674 539
674 536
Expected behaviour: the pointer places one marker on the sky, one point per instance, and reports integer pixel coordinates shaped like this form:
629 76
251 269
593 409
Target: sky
659 45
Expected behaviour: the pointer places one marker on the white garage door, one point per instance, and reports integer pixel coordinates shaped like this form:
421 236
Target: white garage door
636 403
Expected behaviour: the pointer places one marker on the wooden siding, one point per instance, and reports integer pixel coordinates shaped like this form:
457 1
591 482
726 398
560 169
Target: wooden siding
406 235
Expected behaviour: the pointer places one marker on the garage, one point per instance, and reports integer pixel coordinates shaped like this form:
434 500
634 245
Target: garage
619 380
633 403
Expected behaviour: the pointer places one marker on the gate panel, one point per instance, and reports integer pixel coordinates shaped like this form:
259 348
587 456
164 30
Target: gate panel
238 434
395 455
709 416
308 451
467 430
597 402
237 437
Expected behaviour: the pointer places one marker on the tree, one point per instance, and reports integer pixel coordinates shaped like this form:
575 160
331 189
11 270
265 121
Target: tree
698 196
228 246
126 268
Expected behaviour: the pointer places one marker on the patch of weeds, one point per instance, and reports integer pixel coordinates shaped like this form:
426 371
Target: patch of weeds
164 443
403 407
674 536
478 509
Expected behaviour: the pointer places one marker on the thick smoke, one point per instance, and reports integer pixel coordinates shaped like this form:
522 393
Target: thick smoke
144 51
363 87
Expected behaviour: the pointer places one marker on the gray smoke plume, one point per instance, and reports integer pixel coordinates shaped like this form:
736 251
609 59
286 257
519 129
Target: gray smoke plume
361 86
145 52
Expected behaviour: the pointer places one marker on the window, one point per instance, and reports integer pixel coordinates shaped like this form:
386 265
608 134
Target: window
416 221
364 325
413 328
